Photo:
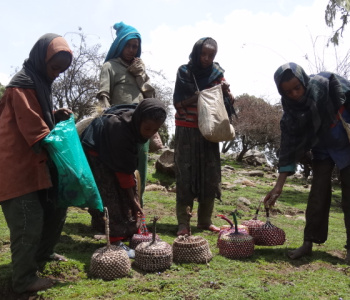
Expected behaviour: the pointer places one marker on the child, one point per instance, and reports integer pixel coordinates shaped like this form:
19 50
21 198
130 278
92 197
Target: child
197 161
111 142
311 108
123 80
28 180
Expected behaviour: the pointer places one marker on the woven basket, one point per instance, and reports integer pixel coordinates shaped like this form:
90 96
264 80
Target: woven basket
140 238
191 249
235 244
269 235
155 255
109 262
253 224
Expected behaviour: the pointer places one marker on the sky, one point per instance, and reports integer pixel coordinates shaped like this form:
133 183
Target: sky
254 37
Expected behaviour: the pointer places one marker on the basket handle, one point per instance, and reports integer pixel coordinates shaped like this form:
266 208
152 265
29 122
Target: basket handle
106 219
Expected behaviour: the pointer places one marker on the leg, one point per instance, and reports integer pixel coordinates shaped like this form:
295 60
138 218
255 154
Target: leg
24 217
205 210
318 205
54 219
345 186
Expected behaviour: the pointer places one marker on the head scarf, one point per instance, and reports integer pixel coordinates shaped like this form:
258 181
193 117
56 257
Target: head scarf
33 74
116 134
186 85
124 34
305 121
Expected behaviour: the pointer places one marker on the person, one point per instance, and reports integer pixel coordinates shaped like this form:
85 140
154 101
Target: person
28 193
123 80
312 107
197 161
110 143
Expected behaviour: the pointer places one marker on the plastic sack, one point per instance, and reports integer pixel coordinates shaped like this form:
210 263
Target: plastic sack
76 183
213 121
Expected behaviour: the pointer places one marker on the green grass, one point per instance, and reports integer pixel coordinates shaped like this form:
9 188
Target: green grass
268 274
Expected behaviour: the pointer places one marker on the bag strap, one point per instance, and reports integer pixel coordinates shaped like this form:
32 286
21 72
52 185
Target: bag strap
195 81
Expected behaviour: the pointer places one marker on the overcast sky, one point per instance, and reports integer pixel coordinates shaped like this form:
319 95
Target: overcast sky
254 37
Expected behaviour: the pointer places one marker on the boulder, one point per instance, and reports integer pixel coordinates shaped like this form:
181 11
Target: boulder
165 163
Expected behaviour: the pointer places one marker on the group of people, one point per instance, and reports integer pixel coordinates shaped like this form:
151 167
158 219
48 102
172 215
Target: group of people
116 145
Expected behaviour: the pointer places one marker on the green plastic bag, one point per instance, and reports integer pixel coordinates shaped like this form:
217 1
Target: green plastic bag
76 184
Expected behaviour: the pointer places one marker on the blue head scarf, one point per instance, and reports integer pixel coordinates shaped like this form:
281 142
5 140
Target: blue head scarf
124 34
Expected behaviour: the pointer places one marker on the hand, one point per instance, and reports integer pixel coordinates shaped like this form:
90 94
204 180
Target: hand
62 114
225 86
271 198
104 102
137 67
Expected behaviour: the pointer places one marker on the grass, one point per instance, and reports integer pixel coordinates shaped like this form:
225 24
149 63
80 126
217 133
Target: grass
268 274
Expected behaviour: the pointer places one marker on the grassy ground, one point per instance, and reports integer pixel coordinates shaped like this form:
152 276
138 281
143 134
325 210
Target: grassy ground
268 274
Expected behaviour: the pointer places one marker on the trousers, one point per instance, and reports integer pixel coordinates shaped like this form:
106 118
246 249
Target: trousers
319 201
35 226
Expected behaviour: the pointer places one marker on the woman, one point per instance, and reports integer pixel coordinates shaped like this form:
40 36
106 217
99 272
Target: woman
312 106
198 170
28 190
124 80
111 142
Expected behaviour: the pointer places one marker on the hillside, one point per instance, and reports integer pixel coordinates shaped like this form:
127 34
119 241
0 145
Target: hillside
268 274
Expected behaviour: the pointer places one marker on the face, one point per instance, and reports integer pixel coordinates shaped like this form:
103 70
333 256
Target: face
149 127
130 50
57 64
207 55
293 89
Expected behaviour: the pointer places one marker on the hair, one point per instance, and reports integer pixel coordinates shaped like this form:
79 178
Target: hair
157 114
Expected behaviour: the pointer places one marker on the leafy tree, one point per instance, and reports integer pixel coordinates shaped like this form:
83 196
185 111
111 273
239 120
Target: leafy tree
257 126
2 90
333 8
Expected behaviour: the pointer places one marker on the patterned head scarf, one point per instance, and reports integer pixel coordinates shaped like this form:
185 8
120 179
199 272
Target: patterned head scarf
33 74
124 34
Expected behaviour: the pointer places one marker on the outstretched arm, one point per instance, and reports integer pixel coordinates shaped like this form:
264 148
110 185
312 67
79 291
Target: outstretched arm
271 198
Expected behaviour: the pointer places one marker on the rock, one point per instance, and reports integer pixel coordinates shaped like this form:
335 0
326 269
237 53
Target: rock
155 187
155 143
165 163
244 200
255 158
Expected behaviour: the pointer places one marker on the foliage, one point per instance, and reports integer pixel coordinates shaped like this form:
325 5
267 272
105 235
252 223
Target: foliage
333 8
2 90
257 125
76 88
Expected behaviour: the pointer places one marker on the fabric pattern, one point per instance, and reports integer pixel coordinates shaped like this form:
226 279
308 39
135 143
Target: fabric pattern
304 122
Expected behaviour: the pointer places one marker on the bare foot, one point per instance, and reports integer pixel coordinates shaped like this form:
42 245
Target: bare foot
305 249
347 258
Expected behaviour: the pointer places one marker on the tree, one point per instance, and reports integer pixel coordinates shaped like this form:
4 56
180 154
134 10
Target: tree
257 125
2 90
77 87
333 8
